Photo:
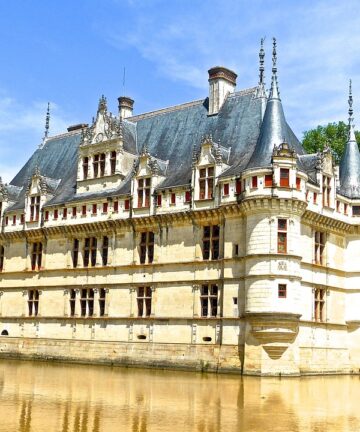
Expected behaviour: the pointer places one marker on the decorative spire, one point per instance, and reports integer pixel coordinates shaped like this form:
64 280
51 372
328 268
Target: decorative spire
47 123
351 112
274 91
350 162
261 63
102 104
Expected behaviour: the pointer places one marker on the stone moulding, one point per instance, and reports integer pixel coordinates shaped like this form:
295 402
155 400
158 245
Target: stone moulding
274 327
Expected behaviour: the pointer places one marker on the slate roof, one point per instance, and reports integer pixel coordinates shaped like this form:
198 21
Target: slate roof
169 135
350 168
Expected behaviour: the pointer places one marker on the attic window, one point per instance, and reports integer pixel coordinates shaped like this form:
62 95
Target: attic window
34 208
238 186
254 182
226 189
113 162
126 204
85 167
99 165
144 185
206 183
187 196
298 183
159 200
173 198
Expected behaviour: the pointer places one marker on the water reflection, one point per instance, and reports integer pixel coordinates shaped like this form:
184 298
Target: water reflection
66 398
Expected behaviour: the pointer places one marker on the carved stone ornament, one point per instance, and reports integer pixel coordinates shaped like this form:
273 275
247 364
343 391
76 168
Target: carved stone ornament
104 127
284 150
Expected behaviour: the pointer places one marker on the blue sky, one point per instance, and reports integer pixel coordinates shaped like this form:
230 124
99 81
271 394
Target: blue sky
71 52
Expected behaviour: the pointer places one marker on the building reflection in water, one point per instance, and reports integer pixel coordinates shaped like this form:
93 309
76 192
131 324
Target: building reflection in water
37 397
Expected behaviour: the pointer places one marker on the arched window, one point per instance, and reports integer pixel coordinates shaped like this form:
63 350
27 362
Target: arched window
4 333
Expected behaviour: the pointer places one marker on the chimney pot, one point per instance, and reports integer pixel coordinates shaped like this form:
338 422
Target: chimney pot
222 81
126 105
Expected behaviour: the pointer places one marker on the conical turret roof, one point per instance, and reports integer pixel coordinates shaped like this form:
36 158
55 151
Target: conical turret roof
350 162
274 129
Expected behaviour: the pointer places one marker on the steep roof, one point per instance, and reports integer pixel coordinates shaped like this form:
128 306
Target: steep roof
171 134
350 162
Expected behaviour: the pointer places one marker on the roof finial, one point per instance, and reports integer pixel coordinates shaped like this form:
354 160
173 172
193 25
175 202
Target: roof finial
351 112
274 92
261 62
47 123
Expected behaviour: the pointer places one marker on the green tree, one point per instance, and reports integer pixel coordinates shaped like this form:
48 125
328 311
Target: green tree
334 135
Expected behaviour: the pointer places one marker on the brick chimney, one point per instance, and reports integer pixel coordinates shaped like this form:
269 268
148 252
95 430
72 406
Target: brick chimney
126 106
222 81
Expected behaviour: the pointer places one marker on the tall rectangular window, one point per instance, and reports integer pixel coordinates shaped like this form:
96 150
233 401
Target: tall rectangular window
64 213
102 164
105 207
75 254
105 250
319 304
94 209
284 177
74 212
187 196
147 247
56 214
282 290
34 208
144 296
206 183
238 186
268 180
326 190
83 210
173 199
87 302
144 186
2 255
72 301
158 200
36 256
116 206
85 167
298 183
96 165
314 198
14 220
113 162
254 182
127 204
282 235
46 215
102 301
90 246
226 189
209 300
211 242
319 247
33 302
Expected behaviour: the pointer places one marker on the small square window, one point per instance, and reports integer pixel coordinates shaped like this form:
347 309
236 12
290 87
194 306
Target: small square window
282 291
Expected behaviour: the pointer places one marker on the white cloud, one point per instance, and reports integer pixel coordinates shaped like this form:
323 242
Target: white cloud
318 48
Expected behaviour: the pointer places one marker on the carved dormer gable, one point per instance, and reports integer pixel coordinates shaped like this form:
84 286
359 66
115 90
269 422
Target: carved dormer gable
148 173
4 196
104 127
208 163
284 150
327 177
211 153
38 191
103 162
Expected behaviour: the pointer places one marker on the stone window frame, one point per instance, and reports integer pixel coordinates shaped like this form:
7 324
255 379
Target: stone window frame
209 300
319 247
144 301
147 246
211 242
206 182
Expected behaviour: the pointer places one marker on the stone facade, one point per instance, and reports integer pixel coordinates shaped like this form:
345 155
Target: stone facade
251 271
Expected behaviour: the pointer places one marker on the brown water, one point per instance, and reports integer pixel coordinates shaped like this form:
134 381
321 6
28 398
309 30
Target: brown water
67 398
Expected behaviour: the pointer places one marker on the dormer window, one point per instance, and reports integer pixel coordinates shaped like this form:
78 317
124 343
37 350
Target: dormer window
144 186
113 162
206 183
326 190
34 208
85 167
99 165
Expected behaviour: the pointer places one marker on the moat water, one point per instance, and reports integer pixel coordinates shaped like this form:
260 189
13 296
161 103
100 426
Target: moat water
78 398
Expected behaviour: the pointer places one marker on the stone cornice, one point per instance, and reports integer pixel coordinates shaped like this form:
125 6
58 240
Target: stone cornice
272 204
321 222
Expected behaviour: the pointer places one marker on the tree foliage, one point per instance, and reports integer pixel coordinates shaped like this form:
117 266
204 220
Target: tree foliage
334 135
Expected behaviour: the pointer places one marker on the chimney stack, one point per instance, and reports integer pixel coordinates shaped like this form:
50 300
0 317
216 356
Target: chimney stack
126 106
222 81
